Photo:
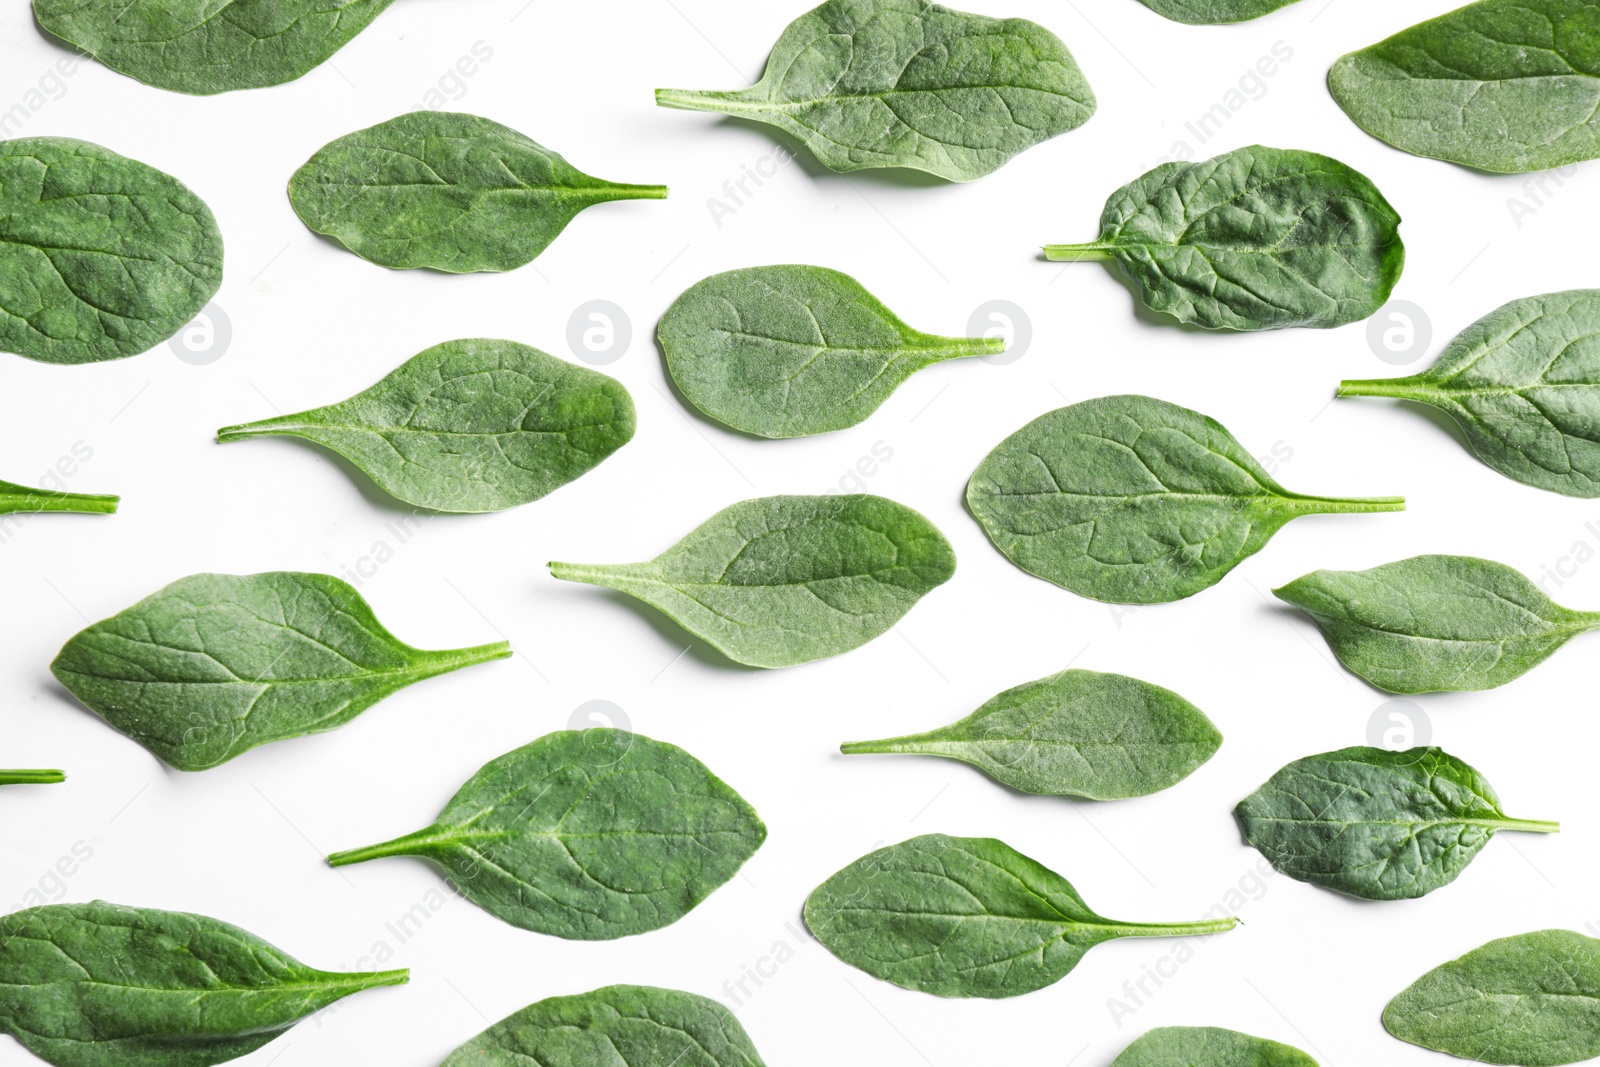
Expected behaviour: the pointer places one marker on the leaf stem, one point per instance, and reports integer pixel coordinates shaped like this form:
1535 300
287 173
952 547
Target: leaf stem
409 845
1397 388
697 100
1187 929
78 503
593 573
1335 505
283 424
1528 826
1091 250
453 658
31 777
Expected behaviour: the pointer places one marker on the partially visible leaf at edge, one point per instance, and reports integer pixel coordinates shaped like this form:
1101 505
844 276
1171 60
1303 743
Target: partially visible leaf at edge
1214 12
1208 1046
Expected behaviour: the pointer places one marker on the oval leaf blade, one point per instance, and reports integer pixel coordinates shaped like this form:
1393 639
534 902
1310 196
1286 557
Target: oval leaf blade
1208 1046
1076 733
907 83
1436 623
103 256
618 1026
1255 239
445 190
1529 1000
587 834
1376 824
99 985
793 350
1523 383
783 580
216 664
965 917
1214 12
1134 500
470 426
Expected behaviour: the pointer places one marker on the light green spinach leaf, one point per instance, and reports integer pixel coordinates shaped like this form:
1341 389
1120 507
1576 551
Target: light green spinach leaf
1436 623
1376 824
31 777
441 189
1208 1046
103 256
470 426
98 985
965 917
1500 85
782 580
1134 500
1214 12
794 350
1531 1000
587 834
1077 733
20 498
1523 383
216 664
1255 239
907 83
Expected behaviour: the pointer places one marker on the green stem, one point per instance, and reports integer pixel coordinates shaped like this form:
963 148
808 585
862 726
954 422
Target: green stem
452 659
409 845
1188 929
1527 826
78 503
1398 388
1092 250
1334 505
887 746
31 777
359 980
615 191
697 100
283 424
593 573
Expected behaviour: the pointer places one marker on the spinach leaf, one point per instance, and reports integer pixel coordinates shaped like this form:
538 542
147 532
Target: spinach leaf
470 426
1436 623
1134 500
103 257
440 189
1532 1000
216 664
1208 1046
1211 13
794 350
618 1026
1500 85
907 83
20 498
31 777
965 917
587 834
208 46
1255 239
1524 386
1076 733
1376 824
99 985
783 580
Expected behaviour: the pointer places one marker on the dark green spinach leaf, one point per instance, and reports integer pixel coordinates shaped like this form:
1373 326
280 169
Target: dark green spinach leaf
618 1026
1214 12
216 664
587 834
783 580
1076 733
1255 239
31 777
20 498
1500 85
1376 824
441 189
1531 1000
1134 500
1208 1046
98 985
1436 623
965 917
103 257
794 350
907 83
470 426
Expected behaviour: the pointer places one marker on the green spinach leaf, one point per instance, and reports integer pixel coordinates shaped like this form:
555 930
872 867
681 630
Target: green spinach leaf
907 83
1523 383
20 498
587 834
470 426
1255 239
99 985
794 350
1211 13
1134 500
441 189
1500 85
618 1026
965 917
1076 733
1208 1046
783 580
103 257
1436 623
1531 1000
31 777
1376 824
208 46
216 664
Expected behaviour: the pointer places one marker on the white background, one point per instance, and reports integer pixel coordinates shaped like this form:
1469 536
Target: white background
312 324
